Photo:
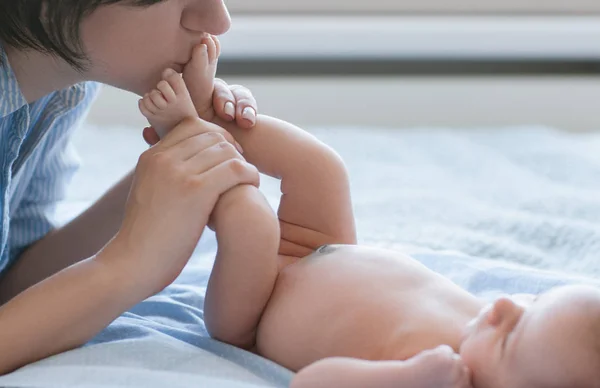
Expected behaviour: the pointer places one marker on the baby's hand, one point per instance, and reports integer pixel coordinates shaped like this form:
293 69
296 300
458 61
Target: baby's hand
440 368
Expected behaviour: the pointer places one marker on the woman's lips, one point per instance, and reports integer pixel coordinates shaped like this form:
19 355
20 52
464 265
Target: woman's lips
178 67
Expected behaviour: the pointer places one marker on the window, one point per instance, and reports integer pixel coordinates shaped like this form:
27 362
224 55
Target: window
414 29
415 6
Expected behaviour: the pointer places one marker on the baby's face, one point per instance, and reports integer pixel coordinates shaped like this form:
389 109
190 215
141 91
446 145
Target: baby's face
542 341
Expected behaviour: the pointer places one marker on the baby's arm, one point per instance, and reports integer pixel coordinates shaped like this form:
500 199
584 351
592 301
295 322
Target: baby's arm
439 368
355 373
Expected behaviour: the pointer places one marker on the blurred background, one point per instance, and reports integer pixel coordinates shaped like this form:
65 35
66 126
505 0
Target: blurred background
409 63
466 125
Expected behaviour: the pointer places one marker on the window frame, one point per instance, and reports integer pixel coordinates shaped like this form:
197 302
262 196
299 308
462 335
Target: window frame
414 6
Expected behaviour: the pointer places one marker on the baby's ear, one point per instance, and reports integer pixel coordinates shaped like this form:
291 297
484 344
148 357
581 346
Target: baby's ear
504 310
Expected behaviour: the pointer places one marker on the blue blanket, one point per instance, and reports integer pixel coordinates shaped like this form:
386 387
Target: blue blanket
476 206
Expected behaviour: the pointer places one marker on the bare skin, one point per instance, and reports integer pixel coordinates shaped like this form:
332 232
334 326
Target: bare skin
256 322
165 105
295 236
406 319
130 55
85 274
171 93
199 75
184 101
351 316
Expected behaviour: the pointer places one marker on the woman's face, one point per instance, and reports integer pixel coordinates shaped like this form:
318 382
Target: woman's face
129 47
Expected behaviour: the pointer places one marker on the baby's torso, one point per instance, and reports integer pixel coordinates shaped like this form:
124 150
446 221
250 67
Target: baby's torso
375 308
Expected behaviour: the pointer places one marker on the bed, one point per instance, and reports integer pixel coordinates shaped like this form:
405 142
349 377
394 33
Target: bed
496 210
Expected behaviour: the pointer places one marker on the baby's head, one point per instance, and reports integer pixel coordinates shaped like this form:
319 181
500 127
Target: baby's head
550 341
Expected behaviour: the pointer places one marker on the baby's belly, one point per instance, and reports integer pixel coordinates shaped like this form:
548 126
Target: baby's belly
329 307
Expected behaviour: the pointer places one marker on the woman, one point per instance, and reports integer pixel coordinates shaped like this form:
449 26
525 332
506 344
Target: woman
138 237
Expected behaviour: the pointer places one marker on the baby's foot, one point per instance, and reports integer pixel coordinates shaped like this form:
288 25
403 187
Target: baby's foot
168 104
199 75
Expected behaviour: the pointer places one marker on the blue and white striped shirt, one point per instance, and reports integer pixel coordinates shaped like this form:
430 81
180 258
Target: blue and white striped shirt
37 161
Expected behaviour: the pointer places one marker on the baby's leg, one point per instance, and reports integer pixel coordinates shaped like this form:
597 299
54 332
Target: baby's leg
245 269
199 75
438 368
168 104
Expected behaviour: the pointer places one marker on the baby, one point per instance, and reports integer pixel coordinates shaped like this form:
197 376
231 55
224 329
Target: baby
351 316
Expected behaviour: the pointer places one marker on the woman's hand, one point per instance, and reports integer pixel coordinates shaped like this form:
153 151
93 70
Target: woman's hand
234 102
175 188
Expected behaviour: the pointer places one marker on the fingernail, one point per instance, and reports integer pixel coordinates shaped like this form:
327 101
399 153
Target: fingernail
230 110
239 147
249 114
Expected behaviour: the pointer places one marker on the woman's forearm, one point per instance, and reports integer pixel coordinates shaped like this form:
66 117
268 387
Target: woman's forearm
81 238
65 311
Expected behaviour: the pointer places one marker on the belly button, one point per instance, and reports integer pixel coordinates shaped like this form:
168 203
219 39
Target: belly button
322 248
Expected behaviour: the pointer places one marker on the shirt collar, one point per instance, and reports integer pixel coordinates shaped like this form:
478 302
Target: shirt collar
11 97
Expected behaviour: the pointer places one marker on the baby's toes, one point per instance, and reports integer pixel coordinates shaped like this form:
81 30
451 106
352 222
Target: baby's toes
198 62
147 107
211 50
217 45
150 105
158 99
175 82
167 91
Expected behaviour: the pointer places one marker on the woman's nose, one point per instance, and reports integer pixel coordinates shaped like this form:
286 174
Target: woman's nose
207 16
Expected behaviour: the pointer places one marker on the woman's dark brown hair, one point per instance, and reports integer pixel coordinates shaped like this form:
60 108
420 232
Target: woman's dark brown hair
52 26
